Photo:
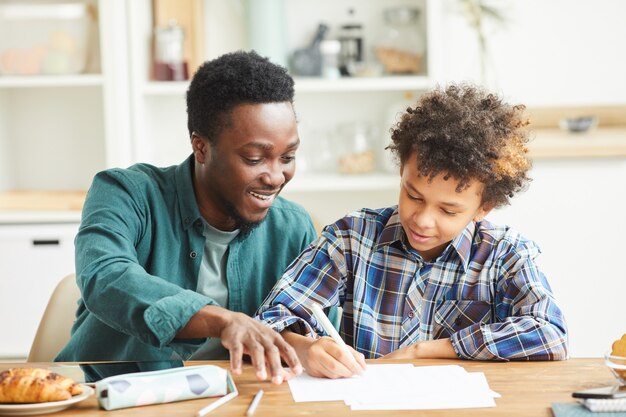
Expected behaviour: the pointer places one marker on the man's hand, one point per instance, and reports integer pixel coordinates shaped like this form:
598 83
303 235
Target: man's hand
323 357
241 334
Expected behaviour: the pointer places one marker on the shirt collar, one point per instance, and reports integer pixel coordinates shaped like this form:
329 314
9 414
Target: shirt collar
392 232
187 204
462 244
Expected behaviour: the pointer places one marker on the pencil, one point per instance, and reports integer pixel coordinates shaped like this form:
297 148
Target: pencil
328 327
255 403
206 410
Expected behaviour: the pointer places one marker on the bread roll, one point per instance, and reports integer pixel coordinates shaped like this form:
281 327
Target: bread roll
30 389
66 383
619 347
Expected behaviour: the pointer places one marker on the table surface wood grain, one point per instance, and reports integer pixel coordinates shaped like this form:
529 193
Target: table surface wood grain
527 389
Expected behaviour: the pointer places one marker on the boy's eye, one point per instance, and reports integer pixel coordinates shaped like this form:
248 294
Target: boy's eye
448 212
252 161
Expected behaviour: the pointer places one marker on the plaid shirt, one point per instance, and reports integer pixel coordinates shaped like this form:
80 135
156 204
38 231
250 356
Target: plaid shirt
484 291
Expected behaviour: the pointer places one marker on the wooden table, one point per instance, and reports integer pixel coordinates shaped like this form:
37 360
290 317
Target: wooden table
527 389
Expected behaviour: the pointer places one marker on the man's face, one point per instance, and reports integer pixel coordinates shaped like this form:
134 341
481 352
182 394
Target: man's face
434 213
237 179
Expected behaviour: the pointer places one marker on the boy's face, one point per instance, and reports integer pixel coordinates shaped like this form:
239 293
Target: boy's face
433 213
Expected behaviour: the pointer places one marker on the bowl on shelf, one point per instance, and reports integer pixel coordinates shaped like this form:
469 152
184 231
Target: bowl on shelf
617 365
578 124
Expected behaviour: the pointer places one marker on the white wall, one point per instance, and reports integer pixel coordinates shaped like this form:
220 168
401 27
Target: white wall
549 52
574 211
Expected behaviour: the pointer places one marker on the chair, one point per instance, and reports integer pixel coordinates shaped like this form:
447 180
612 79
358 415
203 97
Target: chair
55 325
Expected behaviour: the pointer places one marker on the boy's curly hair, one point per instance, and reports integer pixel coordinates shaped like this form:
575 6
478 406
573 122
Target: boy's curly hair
469 134
219 85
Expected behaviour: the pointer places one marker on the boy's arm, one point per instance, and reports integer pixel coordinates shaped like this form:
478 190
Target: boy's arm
428 349
528 323
317 275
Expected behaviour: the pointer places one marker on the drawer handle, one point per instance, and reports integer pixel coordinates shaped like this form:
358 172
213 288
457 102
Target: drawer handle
46 242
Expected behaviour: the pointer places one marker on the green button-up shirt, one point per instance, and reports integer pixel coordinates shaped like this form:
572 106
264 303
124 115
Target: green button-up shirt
138 253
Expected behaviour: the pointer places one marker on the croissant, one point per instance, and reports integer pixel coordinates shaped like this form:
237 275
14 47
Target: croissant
66 383
30 389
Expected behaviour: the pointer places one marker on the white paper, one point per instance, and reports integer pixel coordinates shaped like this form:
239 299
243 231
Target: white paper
400 387
308 388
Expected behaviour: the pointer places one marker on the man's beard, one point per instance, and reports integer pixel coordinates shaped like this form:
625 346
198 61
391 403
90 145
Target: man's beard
245 226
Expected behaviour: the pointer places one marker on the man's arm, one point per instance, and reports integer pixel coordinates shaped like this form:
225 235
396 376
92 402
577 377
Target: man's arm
241 335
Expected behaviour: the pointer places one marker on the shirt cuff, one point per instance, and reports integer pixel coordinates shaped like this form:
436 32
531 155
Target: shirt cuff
291 323
169 315
469 343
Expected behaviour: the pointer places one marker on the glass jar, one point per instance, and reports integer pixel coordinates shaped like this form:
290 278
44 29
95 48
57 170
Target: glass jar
401 46
169 62
355 149
351 39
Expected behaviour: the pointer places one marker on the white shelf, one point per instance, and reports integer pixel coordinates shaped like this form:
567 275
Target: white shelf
388 83
165 88
315 85
305 182
36 217
36 81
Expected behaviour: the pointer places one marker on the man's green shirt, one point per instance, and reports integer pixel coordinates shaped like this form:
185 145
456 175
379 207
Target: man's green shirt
138 254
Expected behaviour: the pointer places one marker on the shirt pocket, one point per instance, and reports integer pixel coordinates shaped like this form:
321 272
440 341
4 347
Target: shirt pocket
454 315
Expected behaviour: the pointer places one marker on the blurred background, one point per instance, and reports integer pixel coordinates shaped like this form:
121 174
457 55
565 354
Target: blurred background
88 85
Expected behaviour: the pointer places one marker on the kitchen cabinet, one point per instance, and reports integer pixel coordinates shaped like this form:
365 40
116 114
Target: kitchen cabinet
33 259
56 132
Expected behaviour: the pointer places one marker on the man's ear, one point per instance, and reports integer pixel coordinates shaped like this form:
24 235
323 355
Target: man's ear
201 148
483 211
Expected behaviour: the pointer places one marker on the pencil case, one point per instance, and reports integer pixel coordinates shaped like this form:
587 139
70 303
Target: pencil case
157 387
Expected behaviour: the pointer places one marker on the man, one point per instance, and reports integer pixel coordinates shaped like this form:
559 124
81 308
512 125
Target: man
168 257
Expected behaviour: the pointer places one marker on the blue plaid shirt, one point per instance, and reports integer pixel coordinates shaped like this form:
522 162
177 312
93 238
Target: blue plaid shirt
484 291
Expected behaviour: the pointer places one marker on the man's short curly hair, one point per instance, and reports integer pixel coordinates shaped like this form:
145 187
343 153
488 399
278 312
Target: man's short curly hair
469 134
235 78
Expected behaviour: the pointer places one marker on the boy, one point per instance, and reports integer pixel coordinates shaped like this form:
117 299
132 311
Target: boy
429 278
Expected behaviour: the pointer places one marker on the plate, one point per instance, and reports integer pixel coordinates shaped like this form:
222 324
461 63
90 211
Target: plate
44 408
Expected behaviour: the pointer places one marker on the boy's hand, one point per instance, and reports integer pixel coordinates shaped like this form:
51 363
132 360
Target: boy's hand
325 358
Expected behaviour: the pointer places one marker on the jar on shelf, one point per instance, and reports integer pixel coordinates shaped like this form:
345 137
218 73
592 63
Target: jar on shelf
355 148
351 40
401 47
169 62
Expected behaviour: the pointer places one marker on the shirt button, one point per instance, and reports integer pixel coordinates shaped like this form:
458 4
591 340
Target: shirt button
187 220
411 314
193 254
